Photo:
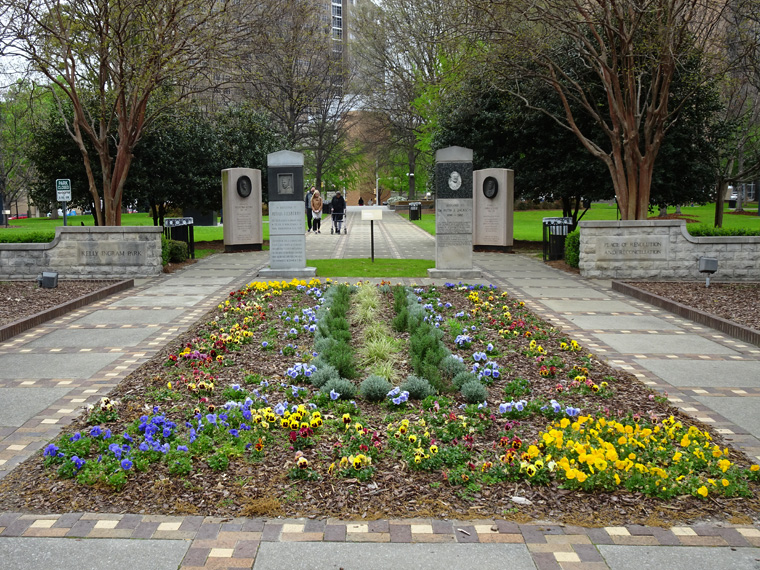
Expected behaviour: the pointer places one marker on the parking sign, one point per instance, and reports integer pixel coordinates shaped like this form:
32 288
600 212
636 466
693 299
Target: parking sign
63 190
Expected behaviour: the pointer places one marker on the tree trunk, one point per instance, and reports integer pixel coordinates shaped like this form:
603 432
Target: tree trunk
411 174
720 187
740 193
318 176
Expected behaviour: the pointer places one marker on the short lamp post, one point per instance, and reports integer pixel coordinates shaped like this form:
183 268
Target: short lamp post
48 280
708 265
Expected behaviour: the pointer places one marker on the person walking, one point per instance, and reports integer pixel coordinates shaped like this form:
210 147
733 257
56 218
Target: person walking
316 211
307 203
338 204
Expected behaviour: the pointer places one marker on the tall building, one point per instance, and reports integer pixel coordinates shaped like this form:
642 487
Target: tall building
341 12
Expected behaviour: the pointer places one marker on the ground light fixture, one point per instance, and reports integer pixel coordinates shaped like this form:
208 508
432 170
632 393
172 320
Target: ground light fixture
708 265
48 280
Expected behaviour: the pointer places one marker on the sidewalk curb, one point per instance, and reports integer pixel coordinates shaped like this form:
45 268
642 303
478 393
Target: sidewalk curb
17 327
741 332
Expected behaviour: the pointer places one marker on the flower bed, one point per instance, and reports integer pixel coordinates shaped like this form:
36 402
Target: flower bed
274 405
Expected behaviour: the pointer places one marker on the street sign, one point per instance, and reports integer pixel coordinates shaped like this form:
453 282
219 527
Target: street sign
63 190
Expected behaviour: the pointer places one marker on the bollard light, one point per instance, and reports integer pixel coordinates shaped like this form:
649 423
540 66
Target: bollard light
48 280
708 265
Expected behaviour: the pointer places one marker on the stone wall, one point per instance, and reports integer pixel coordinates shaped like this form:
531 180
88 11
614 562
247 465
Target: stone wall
663 250
81 252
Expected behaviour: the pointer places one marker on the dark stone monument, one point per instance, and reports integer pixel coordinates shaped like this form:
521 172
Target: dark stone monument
453 214
287 239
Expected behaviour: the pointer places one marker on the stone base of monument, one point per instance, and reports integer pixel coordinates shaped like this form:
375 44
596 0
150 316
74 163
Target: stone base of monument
233 248
496 248
454 274
305 273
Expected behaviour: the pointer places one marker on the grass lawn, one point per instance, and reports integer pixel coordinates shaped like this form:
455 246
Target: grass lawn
528 223
33 225
366 268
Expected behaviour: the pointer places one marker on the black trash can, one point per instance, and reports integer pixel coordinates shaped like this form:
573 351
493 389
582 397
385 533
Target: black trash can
181 229
555 232
415 210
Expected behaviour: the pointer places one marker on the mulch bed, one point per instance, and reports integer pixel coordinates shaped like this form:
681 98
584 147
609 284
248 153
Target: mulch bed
262 488
21 299
737 302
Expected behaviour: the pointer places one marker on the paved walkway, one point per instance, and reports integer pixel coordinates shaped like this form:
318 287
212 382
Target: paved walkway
48 373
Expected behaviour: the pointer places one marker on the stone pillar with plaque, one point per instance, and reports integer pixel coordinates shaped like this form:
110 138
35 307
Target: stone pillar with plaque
241 207
453 214
494 205
287 211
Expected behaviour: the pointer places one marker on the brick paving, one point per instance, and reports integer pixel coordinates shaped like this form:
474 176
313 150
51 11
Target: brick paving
213 547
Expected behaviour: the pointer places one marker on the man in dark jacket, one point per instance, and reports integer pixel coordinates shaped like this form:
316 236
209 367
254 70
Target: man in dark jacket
338 210
307 203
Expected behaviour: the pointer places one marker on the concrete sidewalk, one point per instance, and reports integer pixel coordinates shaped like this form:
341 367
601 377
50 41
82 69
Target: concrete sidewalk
49 372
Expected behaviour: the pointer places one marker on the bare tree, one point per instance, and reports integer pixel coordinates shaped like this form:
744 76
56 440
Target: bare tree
330 121
739 159
290 69
121 63
634 47
406 49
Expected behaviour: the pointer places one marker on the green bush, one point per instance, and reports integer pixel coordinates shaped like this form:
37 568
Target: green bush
342 386
164 250
323 375
400 321
450 367
573 248
704 230
399 298
342 358
28 237
418 388
474 392
375 388
463 378
177 251
325 344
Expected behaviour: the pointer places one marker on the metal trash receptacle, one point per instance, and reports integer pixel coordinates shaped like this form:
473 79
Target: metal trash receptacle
181 229
555 232
415 210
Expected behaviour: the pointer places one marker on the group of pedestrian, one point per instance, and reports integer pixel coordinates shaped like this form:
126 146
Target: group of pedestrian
314 207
